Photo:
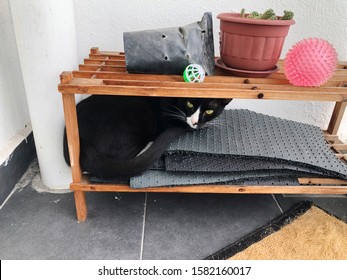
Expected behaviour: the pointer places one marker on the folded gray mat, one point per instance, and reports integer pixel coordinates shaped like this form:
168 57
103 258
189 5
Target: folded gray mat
211 163
156 178
245 147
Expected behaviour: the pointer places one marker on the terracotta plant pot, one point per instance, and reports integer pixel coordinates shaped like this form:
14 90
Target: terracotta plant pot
251 44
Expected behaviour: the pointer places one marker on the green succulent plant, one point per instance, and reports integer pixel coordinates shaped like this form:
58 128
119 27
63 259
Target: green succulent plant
287 15
253 15
269 14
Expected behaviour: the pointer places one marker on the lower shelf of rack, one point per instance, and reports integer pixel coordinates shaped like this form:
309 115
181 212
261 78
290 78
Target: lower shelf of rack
327 186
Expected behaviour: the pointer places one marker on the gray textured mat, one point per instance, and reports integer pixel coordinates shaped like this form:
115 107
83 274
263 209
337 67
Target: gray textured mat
212 163
155 178
257 145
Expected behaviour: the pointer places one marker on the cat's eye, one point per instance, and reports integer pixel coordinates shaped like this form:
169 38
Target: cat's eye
209 112
190 105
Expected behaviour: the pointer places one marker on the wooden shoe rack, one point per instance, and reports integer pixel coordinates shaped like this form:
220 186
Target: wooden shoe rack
104 73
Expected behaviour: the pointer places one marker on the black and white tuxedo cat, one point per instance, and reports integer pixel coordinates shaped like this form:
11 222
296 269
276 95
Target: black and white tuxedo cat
123 136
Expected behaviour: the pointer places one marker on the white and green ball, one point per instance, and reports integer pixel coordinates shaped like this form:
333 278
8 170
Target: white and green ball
194 73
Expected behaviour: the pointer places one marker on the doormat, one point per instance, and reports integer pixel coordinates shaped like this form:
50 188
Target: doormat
305 232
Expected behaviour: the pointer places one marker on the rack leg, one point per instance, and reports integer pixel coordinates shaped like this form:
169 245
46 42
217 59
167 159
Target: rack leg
81 205
336 117
74 147
72 134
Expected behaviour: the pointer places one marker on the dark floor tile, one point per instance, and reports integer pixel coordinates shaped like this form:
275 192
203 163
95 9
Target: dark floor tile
193 226
336 205
15 166
43 226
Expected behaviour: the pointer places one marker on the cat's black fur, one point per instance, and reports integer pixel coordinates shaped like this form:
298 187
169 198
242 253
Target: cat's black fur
115 129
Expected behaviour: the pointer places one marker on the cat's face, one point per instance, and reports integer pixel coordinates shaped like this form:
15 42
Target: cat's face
198 111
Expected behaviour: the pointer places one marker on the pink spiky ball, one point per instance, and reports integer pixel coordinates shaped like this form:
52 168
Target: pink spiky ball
310 62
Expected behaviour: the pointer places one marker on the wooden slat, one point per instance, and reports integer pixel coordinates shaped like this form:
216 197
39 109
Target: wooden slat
95 51
330 137
336 117
86 186
105 61
177 78
341 156
199 92
339 147
111 56
125 76
211 84
111 68
322 181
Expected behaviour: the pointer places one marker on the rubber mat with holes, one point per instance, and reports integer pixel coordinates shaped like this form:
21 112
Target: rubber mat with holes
244 146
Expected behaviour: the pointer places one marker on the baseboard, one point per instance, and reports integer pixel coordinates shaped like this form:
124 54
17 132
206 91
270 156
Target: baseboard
14 167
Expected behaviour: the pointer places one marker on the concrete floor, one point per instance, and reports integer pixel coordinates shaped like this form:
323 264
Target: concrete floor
36 224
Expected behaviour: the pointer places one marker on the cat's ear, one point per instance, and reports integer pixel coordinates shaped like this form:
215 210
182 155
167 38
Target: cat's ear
225 102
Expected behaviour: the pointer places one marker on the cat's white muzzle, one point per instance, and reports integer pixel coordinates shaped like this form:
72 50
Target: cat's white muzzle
193 120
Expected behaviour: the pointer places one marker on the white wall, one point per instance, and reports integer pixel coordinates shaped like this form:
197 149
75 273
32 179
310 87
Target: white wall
14 114
101 23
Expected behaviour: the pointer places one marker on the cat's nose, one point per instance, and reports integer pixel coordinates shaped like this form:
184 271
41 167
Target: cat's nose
195 120
195 125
